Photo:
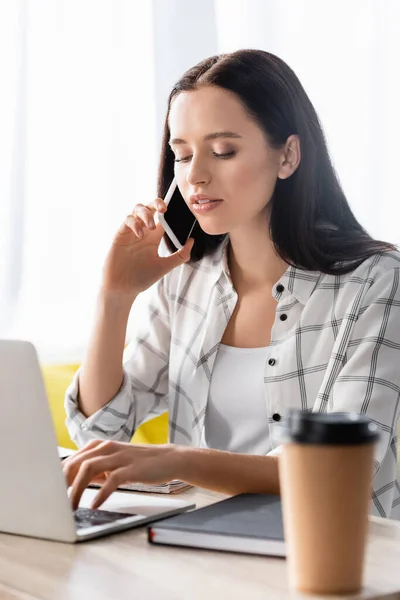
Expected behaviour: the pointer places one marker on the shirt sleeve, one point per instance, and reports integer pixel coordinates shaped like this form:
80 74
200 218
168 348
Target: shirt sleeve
369 381
144 390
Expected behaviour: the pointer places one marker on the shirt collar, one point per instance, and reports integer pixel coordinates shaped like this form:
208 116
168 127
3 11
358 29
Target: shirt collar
298 283
217 262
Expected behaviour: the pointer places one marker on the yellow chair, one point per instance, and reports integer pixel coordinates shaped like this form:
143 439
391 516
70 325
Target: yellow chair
58 377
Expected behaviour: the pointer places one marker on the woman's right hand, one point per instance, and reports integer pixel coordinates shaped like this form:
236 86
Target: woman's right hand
132 264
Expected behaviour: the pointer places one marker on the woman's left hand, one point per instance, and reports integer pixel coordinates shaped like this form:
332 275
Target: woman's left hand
115 463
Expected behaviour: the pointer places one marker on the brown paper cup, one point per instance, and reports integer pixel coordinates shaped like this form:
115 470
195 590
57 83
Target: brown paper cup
325 492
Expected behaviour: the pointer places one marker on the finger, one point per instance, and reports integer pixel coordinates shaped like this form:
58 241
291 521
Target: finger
115 479
89 470
69 460
99 479
72 465
179 257
88 445
146 215
160 205
136 224
137 220
186 251
149 207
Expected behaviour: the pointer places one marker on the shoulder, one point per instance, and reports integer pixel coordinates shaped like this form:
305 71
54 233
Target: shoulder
376 277
379 276
376 268
371 270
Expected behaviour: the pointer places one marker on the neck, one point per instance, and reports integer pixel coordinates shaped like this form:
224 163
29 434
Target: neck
252 258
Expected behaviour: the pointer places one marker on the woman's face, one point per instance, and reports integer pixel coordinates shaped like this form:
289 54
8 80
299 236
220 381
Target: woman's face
236 165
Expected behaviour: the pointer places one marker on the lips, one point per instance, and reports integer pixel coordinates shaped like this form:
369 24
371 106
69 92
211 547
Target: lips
206 206
203 199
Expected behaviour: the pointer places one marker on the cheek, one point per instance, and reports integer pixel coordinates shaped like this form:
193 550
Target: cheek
256 175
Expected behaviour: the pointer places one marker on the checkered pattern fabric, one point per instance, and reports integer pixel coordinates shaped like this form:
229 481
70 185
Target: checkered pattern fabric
338 349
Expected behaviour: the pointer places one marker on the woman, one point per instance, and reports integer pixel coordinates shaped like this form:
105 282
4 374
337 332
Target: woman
280 299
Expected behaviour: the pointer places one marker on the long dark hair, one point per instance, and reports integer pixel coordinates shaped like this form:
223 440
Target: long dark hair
311 223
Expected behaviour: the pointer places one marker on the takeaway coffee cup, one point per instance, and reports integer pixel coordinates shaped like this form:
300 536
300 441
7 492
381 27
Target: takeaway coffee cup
326 470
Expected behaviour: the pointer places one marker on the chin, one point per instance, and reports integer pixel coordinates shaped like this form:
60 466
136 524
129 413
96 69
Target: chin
214 230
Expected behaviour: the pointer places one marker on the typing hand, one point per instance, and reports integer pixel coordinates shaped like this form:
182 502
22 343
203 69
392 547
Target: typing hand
116 463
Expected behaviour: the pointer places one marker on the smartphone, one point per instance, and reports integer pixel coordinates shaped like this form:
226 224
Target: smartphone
177 221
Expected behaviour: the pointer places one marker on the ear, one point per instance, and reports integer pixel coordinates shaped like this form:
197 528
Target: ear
290 157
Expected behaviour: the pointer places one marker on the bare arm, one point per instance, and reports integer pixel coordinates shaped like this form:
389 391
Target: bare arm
225 472
132 266
228 472
101 373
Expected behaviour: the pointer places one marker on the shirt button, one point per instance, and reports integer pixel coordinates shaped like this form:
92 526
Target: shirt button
280 288
283 317
276 417
84 426
271 362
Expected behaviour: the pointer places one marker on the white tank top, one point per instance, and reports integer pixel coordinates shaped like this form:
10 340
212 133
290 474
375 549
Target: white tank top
236 417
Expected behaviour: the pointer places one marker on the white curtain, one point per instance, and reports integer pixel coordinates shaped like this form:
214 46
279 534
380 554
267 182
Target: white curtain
83 92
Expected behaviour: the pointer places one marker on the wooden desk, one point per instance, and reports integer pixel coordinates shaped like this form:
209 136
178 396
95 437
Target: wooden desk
124 566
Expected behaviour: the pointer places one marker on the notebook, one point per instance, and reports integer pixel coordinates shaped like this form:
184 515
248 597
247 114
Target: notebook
249 523
169 487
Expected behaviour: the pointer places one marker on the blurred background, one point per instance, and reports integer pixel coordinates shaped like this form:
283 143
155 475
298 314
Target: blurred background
83 96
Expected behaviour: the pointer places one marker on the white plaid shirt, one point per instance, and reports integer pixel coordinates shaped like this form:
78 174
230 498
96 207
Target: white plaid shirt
337 350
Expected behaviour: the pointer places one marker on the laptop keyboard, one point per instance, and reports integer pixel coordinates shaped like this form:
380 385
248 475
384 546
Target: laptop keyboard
86 517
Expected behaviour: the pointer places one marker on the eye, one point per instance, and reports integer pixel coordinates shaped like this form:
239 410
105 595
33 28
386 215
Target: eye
223 156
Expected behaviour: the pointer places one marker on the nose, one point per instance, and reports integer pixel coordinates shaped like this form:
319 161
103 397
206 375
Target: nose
197 173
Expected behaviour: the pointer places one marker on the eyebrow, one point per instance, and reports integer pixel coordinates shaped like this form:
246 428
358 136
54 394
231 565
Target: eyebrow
209 136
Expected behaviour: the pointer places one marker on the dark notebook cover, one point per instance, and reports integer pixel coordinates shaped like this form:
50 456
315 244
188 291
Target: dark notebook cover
241 523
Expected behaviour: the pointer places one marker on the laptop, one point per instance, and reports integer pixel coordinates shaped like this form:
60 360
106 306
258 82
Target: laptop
34 496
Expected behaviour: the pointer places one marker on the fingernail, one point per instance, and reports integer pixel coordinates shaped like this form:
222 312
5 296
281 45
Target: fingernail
152 224
140 233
